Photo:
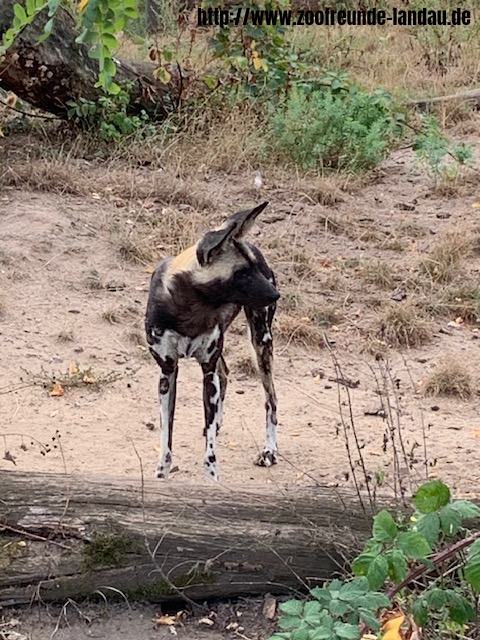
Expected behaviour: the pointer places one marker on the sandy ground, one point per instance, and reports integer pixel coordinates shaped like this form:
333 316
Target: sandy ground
52 243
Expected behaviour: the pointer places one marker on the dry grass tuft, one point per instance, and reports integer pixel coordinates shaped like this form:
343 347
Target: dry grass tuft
443 262
5 259
120 314
93 280
403 325
66 335
299 331
460 300
245 365
379 273
449 378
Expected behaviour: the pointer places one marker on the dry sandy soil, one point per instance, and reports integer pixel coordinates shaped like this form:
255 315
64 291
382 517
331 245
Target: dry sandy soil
78 242
70 299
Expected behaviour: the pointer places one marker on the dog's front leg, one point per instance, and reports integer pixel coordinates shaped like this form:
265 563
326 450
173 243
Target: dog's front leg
167 392
164 352
260 323
211 363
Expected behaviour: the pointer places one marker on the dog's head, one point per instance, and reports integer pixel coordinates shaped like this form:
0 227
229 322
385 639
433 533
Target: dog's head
230 267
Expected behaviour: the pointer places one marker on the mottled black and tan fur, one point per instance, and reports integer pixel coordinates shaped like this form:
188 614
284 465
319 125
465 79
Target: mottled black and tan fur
192 301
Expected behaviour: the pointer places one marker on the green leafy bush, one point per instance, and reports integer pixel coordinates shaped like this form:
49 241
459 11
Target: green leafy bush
429 545
337 127
109 117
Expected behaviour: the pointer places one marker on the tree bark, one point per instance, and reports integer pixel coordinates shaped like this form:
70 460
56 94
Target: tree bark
49 74
69 536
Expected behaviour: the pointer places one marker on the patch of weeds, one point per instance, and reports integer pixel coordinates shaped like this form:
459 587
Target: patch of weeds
5 259
66 335
137 337
11 547
299 330
246 365
456 301
107 550
119 314
291 300
394 244
338 126
302 263
403 325
442 158
442 264
378 272
75 377
449 378
133 252
93 280
323 316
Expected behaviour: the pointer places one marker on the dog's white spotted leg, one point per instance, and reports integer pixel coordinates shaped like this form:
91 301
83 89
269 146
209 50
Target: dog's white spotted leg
260 323
212 404
162 349
214 388
167 391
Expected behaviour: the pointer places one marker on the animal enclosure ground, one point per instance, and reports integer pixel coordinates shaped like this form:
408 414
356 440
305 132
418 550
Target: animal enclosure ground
79 240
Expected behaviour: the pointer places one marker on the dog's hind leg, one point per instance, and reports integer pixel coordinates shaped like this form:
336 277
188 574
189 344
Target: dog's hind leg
167 392
214 388
223 372
260 324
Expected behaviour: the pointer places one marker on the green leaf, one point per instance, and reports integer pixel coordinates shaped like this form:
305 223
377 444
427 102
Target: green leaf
347 631
131 13
377 572
466 508
109 67
413 544
362 563
210 81
397 565
30 5
450 520
431 496
352 589
472 567
372 601
289 622
461 610
436 598
338 608
114 89
20 13
428 525
109 41
292 607
420 612
322 594
369 619
47 30
384 527
300 634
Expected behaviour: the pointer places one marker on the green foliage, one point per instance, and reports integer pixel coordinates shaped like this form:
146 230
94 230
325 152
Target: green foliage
99 21
109 117
397 546
334 612
434 149
339 126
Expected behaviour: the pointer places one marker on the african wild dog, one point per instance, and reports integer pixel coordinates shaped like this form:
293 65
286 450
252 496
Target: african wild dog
193 299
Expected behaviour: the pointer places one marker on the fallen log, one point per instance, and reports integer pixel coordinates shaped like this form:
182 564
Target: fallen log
471 94
49 74
70 536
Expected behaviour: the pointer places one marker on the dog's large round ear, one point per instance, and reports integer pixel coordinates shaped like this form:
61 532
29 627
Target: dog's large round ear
234 227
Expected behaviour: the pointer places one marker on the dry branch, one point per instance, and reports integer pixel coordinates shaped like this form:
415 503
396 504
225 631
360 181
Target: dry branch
159 540
472 94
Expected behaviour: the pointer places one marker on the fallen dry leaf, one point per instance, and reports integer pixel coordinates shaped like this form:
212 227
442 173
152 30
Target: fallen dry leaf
269 607
149 269
207 622
391 628
89 378
164 620
73 368
476 433
57 390
476 205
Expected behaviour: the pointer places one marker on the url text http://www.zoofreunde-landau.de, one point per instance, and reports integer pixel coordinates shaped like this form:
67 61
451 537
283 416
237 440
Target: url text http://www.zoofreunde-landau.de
243 16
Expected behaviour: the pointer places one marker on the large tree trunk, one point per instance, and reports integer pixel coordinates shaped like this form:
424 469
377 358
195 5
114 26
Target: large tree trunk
68 536
49 74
